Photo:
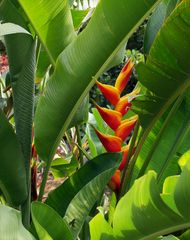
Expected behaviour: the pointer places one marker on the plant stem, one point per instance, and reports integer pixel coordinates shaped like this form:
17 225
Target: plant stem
160 134
125 176
80 145
44 180
84 152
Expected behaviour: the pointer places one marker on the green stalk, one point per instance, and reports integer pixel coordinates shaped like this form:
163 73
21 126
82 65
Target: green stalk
84 152
80 146
126 172
44 180
160 134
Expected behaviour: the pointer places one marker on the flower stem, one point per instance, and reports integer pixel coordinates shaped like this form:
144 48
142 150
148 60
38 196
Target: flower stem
44 180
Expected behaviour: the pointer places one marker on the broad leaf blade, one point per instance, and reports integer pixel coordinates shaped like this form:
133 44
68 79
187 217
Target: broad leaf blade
98 223
172 144
11 28
77 195
162 75
48 224
52 22
77 181
156 21
22 48
12 170
11 225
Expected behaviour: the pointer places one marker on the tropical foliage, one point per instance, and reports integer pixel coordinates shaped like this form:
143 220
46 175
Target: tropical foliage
75 169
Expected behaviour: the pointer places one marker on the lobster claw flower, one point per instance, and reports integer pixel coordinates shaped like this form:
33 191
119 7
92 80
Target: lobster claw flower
115 181
111 117
124 102
111 93
126 127
111 143
124 76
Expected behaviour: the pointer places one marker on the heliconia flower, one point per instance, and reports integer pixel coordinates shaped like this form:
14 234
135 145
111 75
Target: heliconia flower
125 152
111 93
124 102
124 76
115 181
111 117
111 143
126 127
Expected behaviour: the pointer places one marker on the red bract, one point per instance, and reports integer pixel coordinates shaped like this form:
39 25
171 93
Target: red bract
113 118
126 127
115 181
111 143
110 93
124 76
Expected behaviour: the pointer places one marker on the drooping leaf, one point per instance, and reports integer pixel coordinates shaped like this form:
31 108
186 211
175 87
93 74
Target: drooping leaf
73 78
156 21
22 48
171 145
53 24
49 224
165 77
11 225
11 28
12 170
77 195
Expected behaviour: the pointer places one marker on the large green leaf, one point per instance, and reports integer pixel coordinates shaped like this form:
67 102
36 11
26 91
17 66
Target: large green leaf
17 42
10 28
156 21
24 104
149 214
77 195
52 22
166 73
100 229
171 145
12 169
22 48
49 224
11 225
84 58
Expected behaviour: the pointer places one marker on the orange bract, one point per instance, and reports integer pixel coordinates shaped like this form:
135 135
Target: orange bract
110 93
123 105
124 76
115 181
111 143
125 151
124 130
124 102
111 117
